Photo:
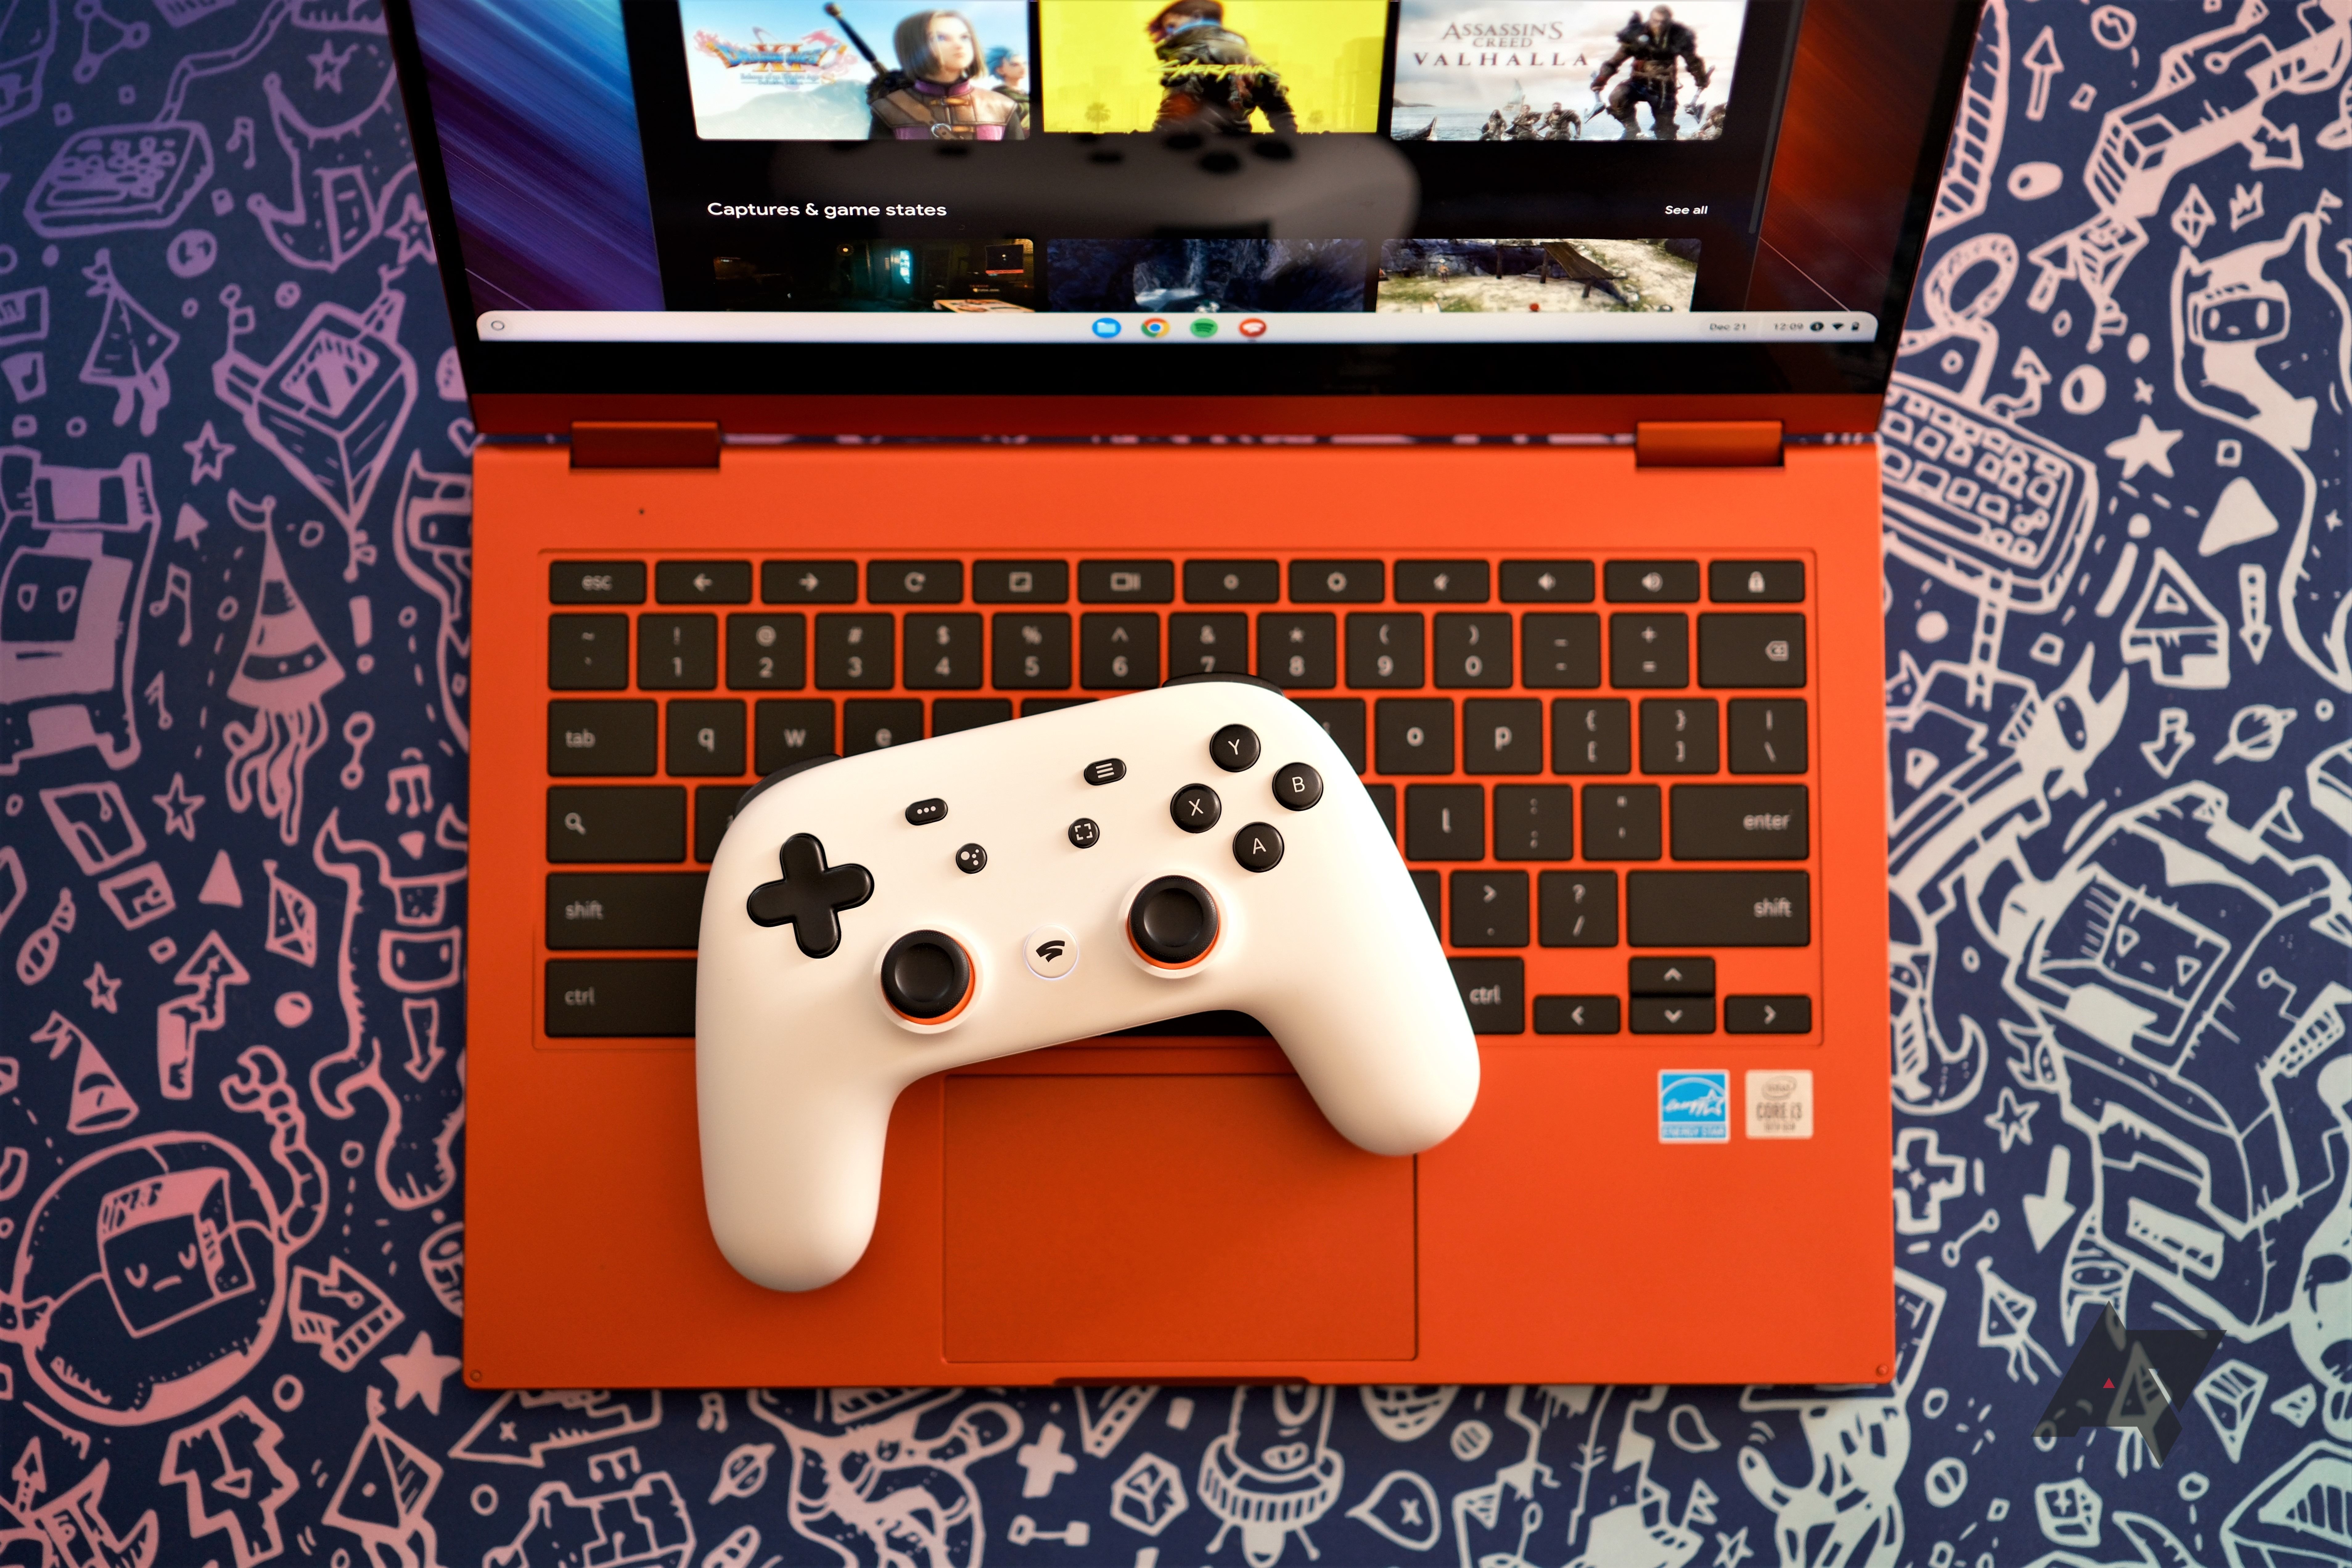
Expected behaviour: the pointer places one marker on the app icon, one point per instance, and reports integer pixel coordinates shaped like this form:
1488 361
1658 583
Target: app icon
1253 328
1204 326
1106 328
1155 328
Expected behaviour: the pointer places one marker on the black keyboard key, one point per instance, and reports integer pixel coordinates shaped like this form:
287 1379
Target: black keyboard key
1547 581
612 739
1033 706
1576 908
596 582
1342 719
1768 734
1740 822
1561 652
1232 581
1126 582
1535 822
1683 976
1594 737
678 653
620 998
914 582
1649 582
1621 822
1493 993
870 724
1474 650
1751 650
1414 735
1502 735
1576 1015
1488 908
714 808
622 824
1208 645
705 738
767 652
1338 582
1384 651
1021 582
624 908
1767 1015
1756 582
1431 889
703 582
808 582
1672 1015
1384 801
1441 582
952 715
1649 650
785 732
1030 653
943 652
1298 651
854 653
1444 822
1718 909
588 653
1119 653
1678 735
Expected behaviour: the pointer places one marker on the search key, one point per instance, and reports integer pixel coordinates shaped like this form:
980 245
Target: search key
617 824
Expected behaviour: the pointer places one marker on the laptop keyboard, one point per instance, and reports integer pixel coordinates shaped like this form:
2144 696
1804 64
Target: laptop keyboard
1599 770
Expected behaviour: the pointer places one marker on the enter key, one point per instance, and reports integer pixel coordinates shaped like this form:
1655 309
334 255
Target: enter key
1740 822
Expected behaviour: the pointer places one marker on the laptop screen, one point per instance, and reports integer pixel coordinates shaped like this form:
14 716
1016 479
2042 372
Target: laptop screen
1024 197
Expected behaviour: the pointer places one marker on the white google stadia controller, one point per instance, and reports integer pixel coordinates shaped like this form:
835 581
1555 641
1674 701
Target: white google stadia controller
877 918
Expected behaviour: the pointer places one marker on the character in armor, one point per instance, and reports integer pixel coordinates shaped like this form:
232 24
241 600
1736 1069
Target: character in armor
934 95
1209 80
1011 74
1652 47
1562 124
1494 128
1523 125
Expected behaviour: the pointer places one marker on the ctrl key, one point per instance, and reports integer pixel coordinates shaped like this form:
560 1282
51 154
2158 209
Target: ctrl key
641 998
617 824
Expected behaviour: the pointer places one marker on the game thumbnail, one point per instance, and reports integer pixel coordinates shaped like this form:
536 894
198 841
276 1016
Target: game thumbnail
1205 275
1564 71
817 272
1216 66
804 71
1580 275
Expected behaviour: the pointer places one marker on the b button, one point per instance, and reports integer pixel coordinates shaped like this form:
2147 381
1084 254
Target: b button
1298 787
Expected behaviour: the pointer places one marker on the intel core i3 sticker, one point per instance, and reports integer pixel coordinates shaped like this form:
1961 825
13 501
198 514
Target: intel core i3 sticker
1694 1107
1780 1102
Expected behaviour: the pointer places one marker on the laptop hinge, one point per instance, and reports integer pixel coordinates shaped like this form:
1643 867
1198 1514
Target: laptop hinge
645 444
1707 444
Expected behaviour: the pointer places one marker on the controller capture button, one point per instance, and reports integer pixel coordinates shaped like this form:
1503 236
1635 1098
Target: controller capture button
1111 770
1235 748
925 976
1050 952
1258 847
1196 809
925 811
809 898
1085 833
1297 785
971 859
1173 921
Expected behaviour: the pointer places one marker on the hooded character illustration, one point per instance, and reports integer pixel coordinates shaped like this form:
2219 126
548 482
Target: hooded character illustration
1652 46
1209 80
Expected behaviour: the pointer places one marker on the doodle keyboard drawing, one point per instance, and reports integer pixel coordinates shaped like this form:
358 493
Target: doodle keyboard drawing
233 820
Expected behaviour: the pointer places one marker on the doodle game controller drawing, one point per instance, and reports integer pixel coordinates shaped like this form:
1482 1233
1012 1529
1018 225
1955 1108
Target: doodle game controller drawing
877 918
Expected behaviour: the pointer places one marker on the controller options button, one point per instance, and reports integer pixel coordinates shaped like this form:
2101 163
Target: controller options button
971 859
926 976
1085 833
1050 952
1235 748
1258 847
1298 787
1196 809
1111 770
924 811
810 897
1173 921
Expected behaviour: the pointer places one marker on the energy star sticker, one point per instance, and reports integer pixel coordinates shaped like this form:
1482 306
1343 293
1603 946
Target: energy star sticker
2146 447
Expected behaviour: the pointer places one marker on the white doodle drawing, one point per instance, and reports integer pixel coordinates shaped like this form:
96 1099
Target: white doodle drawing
384 1495
1105 1415
1925 1179
1974 151
2297 1516
1402 1507
740 1549
1405 1412
1043 1462
343 1311
2297 1407
2256 732
1148 1495
2068 1511
743 1472
236 1479
2047 1211
202 1009
128 353
645 1526
881 1476
2175 632
2152 1546
285 671
2231 1395
432 538
340 195
1272 1473
524 1426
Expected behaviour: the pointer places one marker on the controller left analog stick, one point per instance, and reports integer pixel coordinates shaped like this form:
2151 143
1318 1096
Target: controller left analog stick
926 976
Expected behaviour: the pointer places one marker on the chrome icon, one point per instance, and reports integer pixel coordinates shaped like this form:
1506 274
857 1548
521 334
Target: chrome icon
1156 328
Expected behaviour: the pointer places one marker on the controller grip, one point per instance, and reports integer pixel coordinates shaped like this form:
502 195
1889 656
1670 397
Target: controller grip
792 1159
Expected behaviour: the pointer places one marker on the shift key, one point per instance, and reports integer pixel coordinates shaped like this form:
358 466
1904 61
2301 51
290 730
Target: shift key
1718 909
616 823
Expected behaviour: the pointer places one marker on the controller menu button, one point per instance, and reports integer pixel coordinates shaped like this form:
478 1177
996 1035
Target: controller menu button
1258 847
928 811
926 976
1173 921
1298 787
1085 833
1196 809
971 859
1111 770
810 897
1235 748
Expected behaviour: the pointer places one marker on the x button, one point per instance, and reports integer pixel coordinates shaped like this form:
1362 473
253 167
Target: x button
1196 809
809 897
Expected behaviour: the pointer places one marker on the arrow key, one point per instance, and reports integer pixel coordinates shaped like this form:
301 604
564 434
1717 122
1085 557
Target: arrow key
702 582
1674 1015
1670 976
1577 1016
1767 1015
808 582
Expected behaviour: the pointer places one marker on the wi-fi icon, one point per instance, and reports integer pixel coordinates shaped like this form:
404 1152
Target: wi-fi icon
1051 952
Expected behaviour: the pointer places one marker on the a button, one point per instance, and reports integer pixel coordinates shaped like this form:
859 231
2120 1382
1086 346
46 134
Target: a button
617 824
1258 847
954 715
767 652
1430 887
1337 581
1298 787
704 738
1111 770
1493 994
1750 650
1576 908
588 653
1768 735
1488 908
1384 801
1441 581
1298 651
1670 976
1649 582
943 652
1414 735
878 723
1547 581
1195 808
1649 650
1173 921
1473 650
714 812
1235 748
1119 652
1673 1014
1577 1016
1126 582
678 653
1030 653
1767 1015
1049 952
1535 822
914 582
928 811
1678 735
808 582
1595 737
703 582
1740 822
1561 652
643 998
1502 735
1621 822
925 976
1232 581
854 653
1209 643
1718 909
1384 650
1342 719
1021 582
596 582
810 896
1756 582
971 859
786 732
587 739
1444 822
1085 833
637 910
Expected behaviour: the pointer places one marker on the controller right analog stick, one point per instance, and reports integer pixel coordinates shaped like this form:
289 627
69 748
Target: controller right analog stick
926 976
1173 921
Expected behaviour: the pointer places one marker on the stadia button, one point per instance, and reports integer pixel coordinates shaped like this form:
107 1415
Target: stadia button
1050 952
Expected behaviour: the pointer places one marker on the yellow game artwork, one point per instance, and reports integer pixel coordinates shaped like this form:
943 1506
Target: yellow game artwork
1217 66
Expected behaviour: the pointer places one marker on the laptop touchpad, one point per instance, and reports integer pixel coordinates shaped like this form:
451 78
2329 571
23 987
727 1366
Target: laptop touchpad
1122 1218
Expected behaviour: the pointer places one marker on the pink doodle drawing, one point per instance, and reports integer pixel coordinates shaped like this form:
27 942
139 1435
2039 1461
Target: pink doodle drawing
28 33
235 1478
881 1475
285 671
384 1494
343 1311
130 351
340 195
77 1533
522 1427
201 1008
432 538
646 1526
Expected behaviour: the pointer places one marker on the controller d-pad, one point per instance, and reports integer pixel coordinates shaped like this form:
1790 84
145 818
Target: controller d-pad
810 896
